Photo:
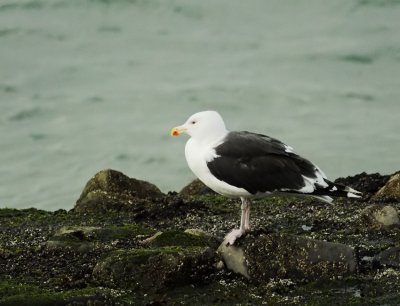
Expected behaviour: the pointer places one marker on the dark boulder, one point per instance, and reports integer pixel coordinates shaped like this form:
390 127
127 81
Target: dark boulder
368 184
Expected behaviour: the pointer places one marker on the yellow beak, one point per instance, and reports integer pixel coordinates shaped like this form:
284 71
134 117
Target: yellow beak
176 131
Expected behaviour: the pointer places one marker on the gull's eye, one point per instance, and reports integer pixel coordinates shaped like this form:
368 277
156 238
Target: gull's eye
193 122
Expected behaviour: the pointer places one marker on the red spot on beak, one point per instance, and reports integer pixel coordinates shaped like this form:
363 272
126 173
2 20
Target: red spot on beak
175 132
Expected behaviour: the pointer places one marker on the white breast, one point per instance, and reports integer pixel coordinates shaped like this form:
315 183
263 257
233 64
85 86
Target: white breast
197 157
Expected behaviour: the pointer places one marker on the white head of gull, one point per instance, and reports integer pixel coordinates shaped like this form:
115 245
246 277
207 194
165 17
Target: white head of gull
248 165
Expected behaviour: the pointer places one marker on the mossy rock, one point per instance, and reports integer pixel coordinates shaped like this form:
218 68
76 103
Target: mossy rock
195 188
155 269
112 190
85 238
116 182
20 294
105 234
271 256
179 238
10 212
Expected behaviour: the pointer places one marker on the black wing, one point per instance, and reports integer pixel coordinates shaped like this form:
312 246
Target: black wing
259 163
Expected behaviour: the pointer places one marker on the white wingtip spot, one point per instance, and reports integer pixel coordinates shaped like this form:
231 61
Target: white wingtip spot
352 195
288 149
327 199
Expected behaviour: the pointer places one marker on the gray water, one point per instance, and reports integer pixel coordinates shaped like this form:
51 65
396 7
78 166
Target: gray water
87 85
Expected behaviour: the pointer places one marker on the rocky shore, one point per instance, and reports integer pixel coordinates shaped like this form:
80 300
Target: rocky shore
127 243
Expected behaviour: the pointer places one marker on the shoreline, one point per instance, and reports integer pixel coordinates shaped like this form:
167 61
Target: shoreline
127 243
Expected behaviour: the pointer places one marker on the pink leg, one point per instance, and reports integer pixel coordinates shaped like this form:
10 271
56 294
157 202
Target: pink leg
244 223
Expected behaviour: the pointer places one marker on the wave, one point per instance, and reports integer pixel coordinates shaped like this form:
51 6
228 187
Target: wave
26 114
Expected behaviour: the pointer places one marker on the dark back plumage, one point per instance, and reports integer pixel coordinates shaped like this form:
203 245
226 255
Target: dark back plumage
259 163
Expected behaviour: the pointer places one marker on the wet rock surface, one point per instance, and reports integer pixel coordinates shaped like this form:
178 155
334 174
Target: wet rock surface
137 246
291 257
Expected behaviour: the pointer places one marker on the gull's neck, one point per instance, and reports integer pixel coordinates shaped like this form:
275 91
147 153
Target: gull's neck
212 138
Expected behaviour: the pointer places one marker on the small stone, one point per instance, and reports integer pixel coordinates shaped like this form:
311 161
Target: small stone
196 232
378 216
86 238
178 238
151 239
220 265
77 238
234 259
196 187
78 246
83 232
389 257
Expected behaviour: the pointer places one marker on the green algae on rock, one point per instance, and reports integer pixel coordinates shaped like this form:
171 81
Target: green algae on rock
155 269
16 294
86 238
112 190
179 238
182 263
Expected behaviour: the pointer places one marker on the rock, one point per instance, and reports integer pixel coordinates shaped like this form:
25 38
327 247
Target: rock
196 187
234 259
196 232
116 182
85 238
79 232
178 238
171 258
391 191
389 257
112 190
77 238
5 254
368 184
155 269
273 256
77 246
377 216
